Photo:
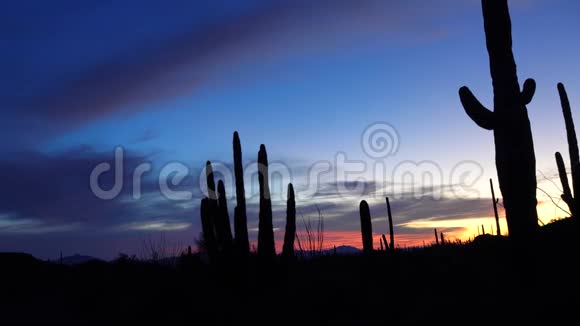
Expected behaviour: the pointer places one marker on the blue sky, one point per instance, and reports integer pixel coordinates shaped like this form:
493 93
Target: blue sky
171 81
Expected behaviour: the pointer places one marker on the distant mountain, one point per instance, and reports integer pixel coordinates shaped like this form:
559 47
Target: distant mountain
76 259
17 258
340 250
345 250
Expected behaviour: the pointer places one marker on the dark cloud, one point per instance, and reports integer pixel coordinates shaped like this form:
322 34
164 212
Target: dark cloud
337 189
46 205
344 215
154 51
54 189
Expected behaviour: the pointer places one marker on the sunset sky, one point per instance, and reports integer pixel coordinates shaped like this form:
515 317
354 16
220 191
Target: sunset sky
170 81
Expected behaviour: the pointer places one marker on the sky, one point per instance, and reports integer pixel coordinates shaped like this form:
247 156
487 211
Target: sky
353 99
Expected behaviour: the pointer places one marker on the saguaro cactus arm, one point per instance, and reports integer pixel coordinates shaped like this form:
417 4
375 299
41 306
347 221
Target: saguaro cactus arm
528 91
481 115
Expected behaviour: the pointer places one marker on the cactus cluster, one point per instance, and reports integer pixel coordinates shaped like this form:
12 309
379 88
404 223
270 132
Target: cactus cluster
367 229
217 234
514 157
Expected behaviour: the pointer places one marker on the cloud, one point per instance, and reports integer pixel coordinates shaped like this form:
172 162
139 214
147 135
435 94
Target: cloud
173 56
54 189
49 196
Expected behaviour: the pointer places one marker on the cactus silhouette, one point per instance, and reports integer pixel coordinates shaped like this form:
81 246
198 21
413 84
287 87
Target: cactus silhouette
211 196
566 192
437 236
384 239
381 247
223 228
391 230
514 148
240 217
290 234
211 193
442 239
209 214
494 203
366 227
213 211
209 240
572 199
266 246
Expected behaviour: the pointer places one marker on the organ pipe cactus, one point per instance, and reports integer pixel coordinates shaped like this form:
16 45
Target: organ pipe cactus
223 228
266 245
240 217
209 240
514 147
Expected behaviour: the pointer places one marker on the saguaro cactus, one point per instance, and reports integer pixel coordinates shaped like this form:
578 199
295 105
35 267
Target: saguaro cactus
494 202
223 228
571 199
391 231
207 226
266 246
437 236
366 227
290 234
240 217
514 147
